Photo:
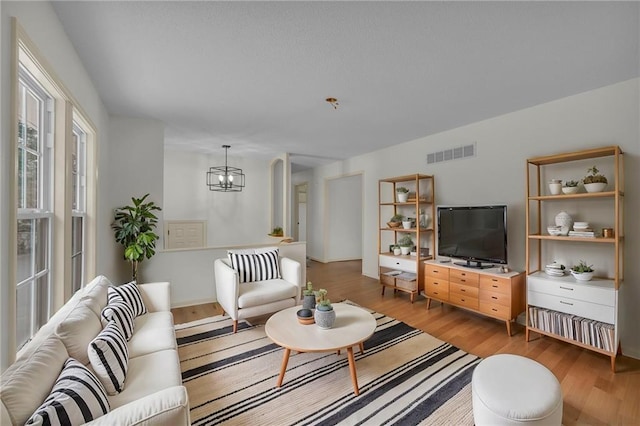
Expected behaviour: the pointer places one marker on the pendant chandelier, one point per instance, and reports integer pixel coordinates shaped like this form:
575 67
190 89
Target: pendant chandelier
225 178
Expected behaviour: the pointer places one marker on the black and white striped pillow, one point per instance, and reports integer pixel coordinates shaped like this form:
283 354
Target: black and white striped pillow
77 397
130 294
120 313
255 266
109 358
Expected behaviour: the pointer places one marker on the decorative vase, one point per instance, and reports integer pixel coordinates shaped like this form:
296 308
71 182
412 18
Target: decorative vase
564 221
402 197
397 251
555 186
325 319
424 220
405 250
309 301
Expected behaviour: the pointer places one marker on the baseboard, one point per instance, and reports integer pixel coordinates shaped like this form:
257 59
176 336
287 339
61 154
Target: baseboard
184 304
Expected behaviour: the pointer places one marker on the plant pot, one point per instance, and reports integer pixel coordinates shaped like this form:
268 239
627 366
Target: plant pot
397 251
569 189
309 301
405 250
325 319
555 186
402 197
582 276
407 224
595 187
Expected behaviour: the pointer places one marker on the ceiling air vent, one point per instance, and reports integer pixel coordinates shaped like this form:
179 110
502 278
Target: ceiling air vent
452 154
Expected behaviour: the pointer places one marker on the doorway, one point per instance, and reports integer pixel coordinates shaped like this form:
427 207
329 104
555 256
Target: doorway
300 213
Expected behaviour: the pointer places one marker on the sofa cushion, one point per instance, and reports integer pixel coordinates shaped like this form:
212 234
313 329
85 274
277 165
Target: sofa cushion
96 294
148 374
76 398
28 381
78 330
259 266
263 292
120 313
154 332
130 294
109 356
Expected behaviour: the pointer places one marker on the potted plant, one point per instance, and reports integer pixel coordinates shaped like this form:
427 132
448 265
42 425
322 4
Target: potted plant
395 221
396 249
594 182
402 194
582 271
324 315
134 227
408 223
405 244
570 187
277 232
309 297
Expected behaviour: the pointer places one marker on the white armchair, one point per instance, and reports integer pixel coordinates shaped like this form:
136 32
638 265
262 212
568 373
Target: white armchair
251 299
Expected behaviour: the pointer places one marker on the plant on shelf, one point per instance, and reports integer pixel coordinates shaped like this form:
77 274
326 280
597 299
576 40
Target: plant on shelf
402 194
134 227
402 189
309 296
571 183
277 232
595 176
324 315
405 243
582 271
395 221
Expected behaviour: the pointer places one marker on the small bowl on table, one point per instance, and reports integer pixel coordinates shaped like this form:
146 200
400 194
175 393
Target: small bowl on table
305 316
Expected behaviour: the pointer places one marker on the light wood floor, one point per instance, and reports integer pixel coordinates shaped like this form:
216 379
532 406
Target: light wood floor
592 394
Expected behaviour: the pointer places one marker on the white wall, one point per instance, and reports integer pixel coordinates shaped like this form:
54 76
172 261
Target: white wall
233 218
606 116
344 212
42 26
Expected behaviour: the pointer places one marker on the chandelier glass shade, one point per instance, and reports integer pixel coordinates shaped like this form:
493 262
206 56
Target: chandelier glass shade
225 178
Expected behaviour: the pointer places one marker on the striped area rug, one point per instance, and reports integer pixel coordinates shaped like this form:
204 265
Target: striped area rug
406 377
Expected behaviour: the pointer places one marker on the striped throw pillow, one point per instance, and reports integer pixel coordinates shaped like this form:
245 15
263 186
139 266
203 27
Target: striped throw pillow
109 357
255 266
130 294
120 313
77 397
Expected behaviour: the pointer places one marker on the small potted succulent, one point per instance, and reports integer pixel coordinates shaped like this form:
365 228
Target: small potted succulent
405 243
395 221
582 271
308 297
594 182
402 194
396 249
570 187
408 223
277 232
324 315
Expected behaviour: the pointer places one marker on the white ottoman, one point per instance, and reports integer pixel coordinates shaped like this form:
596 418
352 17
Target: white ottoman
514 390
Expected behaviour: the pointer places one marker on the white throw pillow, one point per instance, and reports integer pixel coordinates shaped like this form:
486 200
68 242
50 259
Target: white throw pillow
109 356
130 294
78 330
120 313
77 397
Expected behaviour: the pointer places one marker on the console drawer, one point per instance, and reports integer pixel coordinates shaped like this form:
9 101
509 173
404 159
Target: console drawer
495 284
435 271
495 310
592 291
495 297
463 300
437 288
464 277
463 290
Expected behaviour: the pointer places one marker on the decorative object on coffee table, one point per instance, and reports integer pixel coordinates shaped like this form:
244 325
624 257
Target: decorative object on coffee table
308 297
324 315
305 316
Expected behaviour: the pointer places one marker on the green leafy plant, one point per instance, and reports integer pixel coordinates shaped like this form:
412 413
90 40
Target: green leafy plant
396 218
134 227
323 303
308 291
277 232
405 241
595 176
402 189
571 183
582 267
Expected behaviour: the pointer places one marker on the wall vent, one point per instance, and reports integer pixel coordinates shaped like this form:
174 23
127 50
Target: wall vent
452 154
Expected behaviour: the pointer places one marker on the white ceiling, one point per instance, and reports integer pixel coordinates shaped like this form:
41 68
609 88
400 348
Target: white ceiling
255 75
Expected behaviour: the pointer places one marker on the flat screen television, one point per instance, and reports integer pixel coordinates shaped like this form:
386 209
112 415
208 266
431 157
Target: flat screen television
475 234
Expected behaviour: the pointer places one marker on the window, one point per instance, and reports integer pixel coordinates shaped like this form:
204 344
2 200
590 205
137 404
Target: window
78 206
34 200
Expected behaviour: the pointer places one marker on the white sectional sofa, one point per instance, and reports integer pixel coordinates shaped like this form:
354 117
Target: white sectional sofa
153 391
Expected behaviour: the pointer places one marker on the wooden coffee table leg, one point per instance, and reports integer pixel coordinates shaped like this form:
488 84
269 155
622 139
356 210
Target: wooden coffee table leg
352 370
283 367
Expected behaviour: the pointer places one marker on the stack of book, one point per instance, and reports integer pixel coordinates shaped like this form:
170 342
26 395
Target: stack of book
584 232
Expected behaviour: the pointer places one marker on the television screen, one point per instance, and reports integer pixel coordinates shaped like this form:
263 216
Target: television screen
473 233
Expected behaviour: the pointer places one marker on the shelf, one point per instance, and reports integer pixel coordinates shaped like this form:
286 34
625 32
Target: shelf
572 341
407 256
573 239
604 194
575 156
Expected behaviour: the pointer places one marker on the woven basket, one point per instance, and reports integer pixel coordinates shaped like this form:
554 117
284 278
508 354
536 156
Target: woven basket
394 224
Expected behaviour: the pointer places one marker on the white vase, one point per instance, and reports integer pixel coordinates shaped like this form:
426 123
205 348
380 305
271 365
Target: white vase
555 186
595 187
397 251
405 250
402 197
424 220
406 224
564 221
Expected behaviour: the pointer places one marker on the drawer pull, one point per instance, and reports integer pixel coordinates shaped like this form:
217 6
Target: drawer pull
462 290
566 288
494 280
464 281
462 300
494 298
494 286
566 303
494 309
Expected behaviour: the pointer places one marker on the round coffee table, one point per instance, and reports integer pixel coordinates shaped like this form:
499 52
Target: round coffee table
353 326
